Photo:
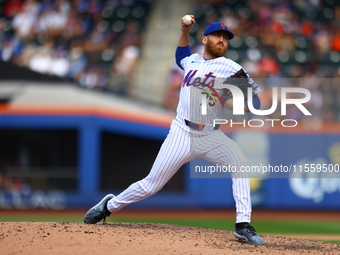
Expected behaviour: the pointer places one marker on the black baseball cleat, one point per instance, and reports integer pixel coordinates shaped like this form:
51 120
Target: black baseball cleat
248 234
99 211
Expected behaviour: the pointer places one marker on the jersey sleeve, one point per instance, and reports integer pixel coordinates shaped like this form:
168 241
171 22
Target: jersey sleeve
242 74
256 102
182 53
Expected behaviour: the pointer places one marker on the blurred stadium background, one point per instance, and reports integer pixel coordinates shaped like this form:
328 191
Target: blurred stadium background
88 89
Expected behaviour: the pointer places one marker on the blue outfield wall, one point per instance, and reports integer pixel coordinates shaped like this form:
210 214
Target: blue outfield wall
295 191
312 154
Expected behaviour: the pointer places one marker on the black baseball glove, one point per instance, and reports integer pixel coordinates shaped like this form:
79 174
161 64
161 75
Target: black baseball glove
241 80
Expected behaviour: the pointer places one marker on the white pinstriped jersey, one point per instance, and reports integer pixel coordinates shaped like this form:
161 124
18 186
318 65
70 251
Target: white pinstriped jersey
184 144
199 72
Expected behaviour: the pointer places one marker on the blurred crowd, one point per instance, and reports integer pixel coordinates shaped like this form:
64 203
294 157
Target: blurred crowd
285 42
94 42
97 43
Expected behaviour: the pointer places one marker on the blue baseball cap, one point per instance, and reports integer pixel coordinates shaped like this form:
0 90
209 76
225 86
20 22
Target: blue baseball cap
218 26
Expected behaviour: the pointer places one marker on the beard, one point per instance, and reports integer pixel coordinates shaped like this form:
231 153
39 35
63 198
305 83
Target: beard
215 50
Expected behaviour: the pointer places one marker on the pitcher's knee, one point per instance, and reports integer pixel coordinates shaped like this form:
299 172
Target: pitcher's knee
148 189
241 161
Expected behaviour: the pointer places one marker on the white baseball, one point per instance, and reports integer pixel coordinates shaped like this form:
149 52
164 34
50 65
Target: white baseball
187 20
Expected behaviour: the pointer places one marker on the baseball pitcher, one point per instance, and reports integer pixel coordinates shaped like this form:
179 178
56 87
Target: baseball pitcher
193 134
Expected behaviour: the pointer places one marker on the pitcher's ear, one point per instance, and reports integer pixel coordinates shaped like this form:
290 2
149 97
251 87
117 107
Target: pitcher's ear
204 39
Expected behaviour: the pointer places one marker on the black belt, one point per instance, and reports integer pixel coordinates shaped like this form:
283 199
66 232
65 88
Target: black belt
198 126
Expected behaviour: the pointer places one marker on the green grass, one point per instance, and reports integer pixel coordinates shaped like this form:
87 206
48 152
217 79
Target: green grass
32 218
336 242
305 227
268 227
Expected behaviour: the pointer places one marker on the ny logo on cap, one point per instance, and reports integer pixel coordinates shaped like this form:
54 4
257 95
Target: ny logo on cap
223 26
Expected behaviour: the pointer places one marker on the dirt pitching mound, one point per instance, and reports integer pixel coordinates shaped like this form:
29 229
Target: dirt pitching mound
141 238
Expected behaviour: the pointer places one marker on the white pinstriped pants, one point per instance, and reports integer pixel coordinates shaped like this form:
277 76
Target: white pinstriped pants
182 145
